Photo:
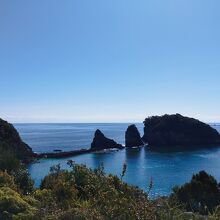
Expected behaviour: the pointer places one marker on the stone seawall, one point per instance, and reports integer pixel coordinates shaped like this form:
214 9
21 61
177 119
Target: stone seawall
63 154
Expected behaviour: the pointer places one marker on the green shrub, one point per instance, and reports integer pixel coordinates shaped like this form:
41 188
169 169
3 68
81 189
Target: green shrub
79 214
201 194
23 180
62 185
108 196
7 181
8 161
10 164
13 206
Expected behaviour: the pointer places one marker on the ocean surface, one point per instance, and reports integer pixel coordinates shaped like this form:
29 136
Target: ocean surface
165 169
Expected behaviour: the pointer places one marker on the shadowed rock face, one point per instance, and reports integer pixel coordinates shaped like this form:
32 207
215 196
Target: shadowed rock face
100 142
177 130
132 137
10 140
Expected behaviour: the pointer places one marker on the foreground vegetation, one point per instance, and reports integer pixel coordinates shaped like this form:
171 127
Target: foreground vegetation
83 193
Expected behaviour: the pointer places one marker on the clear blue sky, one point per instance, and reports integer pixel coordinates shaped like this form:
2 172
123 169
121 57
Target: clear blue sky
109 60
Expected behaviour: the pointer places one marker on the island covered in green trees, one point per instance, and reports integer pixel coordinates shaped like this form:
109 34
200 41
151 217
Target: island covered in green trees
83 193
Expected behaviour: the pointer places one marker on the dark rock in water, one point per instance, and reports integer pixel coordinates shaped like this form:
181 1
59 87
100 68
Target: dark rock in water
177 130
132 137
11 141
100 142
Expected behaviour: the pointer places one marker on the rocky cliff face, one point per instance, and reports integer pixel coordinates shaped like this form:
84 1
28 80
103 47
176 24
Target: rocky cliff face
10 140
100 142
177 130
132 137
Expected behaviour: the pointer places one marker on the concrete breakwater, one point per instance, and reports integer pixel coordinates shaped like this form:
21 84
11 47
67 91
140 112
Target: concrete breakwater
63 154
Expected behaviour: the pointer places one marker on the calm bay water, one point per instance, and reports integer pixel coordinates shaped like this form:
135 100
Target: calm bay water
165 169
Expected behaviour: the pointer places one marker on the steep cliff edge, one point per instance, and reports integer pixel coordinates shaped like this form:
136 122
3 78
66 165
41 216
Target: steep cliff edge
11 141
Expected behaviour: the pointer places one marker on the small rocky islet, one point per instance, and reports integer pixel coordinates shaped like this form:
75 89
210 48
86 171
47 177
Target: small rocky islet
100 142
160 132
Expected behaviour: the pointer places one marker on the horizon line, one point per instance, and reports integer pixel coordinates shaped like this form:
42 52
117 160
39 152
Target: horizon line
114 122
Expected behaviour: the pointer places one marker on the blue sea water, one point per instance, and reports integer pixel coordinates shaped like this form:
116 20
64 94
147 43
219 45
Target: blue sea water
165 169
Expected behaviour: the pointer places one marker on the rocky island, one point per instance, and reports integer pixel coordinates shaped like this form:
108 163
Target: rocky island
132 137
100 142
177 130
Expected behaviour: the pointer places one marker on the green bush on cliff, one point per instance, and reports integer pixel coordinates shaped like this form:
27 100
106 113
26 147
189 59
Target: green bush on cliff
7 181
10 164
23 180
83 191
13 206
8 161
201 194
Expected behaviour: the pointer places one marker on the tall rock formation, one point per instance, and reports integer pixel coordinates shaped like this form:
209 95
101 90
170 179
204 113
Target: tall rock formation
132 137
